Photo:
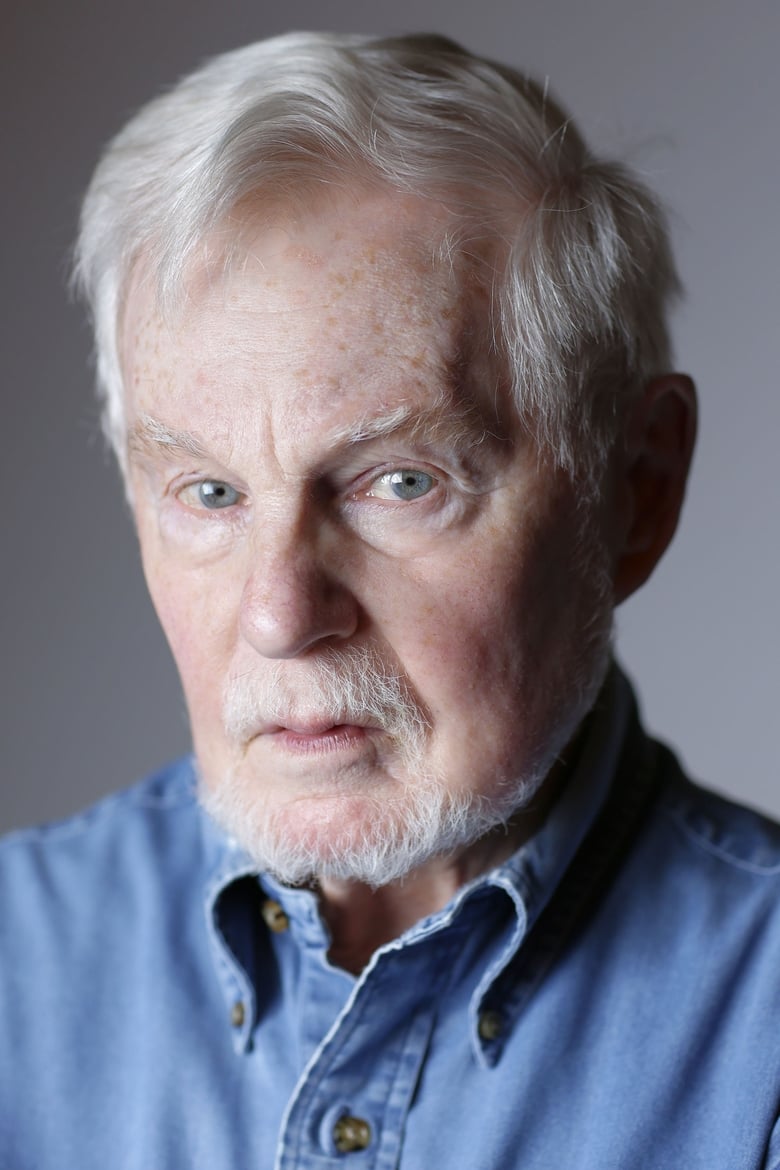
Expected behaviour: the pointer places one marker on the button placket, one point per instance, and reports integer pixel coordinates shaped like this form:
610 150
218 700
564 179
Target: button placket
356 1091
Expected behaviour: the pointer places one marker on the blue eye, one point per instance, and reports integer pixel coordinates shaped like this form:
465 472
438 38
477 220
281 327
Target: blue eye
405 484
213 494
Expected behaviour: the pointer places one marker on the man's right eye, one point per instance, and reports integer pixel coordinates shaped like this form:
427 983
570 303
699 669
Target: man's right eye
212 494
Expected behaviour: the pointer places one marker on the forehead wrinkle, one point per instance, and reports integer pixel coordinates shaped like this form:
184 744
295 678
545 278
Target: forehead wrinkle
452 410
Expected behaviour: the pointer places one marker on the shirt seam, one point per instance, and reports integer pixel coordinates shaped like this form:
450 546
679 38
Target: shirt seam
679 820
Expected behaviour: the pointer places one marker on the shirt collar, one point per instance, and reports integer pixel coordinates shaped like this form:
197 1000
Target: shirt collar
535 870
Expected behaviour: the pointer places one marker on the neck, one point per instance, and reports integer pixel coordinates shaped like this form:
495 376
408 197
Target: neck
361 919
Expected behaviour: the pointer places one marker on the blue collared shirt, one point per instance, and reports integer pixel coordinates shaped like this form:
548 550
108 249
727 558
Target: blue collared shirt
609 998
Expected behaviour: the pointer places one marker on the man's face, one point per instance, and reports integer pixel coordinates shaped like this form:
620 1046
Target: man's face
340 517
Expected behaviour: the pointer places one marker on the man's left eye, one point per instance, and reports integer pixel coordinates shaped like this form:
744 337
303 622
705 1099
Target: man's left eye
405 484
212 494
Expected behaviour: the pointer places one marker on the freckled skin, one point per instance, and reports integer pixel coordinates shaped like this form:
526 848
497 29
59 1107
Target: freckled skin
469 593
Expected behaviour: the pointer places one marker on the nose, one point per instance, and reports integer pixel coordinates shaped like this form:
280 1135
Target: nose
291 602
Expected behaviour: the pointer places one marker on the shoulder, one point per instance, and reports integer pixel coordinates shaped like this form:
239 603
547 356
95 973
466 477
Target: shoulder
107 958
115 843
715 830
170 789
702 877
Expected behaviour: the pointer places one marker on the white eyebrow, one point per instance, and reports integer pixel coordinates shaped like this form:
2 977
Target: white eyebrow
375 426
441 419
149 435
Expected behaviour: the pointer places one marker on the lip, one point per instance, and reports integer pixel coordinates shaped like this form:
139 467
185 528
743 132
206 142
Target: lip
319 737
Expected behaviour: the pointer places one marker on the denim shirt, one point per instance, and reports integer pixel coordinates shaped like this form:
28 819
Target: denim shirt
608 998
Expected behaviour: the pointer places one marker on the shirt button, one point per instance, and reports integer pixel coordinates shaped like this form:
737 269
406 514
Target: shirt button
237 1013
350 1134
275 918
490 1025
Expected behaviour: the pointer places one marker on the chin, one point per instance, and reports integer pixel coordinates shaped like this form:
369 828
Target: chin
374 841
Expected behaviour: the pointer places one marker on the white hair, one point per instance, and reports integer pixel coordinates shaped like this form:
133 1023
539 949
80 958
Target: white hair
579 305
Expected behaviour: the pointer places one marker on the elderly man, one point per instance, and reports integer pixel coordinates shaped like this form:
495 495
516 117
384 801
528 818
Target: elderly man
385 366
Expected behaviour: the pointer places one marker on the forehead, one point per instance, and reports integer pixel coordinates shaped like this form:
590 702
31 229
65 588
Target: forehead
378 298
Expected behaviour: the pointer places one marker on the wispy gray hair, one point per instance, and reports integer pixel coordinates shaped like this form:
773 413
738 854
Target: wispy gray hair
579 306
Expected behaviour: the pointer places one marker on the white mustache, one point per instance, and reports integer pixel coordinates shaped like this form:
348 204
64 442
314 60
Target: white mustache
343 686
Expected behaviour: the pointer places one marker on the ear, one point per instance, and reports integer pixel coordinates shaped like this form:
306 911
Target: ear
660 437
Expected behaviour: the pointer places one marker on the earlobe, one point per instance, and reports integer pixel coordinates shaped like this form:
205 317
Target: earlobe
660 437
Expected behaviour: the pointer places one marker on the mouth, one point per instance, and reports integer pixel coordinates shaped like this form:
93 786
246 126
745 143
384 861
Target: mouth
318 736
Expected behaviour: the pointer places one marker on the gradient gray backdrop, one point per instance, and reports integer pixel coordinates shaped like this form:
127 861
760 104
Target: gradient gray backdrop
687 89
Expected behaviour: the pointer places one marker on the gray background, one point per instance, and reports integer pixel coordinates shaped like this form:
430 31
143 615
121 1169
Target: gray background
687 89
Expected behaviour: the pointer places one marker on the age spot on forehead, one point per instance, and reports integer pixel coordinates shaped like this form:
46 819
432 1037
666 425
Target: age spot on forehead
305 256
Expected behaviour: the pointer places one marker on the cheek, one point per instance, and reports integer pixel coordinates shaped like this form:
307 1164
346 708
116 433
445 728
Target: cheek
460 633
502 599
482 642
